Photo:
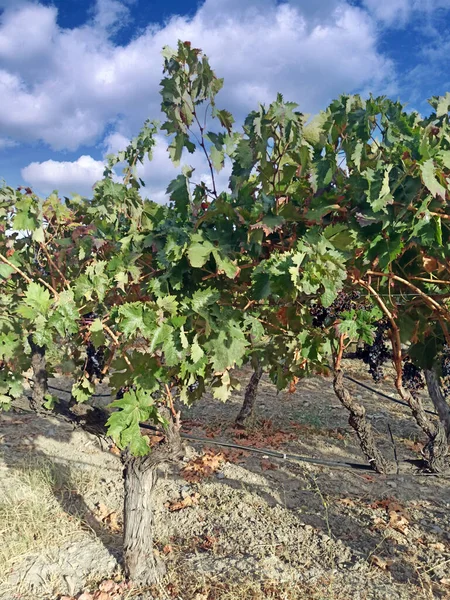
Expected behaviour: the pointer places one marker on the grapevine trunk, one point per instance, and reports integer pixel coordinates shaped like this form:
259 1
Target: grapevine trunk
142 566
251 390
437 446
358 421
438 399
40 383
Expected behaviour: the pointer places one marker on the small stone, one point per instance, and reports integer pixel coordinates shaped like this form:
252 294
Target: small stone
436 529
220 475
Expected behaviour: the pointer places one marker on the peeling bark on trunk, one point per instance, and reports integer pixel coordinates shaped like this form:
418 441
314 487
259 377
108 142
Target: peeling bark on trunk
142 566
436 449
438 399
358 421
251 390
40 384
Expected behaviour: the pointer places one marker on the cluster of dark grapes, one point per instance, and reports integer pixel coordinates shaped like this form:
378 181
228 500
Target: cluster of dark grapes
95 361
377 353
412 378
193 386
445 367
344 302
89 317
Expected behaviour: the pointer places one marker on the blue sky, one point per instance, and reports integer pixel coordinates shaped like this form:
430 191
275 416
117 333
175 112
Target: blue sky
78 77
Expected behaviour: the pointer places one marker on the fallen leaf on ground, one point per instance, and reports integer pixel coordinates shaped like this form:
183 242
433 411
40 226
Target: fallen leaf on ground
167 549
154 439
398 522
108 517
266 465
379 522
438 546
346 501
379 562
180 504
108 586
203 466
235 456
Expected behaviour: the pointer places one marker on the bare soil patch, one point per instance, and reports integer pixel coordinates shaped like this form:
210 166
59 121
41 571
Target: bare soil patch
230 524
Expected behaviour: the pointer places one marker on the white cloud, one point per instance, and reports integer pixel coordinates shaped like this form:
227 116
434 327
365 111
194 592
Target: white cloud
7 143
79 176
65 176
66 86
397 13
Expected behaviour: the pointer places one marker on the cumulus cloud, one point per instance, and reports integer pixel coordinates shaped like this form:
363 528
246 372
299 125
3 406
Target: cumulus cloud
65 87
80 176
68 177
398 13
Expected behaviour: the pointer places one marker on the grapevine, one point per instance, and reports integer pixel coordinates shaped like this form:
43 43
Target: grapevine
295 261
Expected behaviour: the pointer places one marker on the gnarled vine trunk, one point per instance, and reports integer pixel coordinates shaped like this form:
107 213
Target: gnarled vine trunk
438 399
358 421
40 377
436 449
142 566
251 390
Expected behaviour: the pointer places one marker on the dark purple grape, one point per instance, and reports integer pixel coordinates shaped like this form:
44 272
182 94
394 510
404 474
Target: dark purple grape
412 378
95 361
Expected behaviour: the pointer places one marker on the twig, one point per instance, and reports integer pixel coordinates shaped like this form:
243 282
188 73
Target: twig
25 276
54 265
115 339
418 291
394 447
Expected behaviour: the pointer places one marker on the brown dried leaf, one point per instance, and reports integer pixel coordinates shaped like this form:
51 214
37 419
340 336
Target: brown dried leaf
346 501
379 562
235 456
430 264
108 517
203 466
379 522
398 522
180 504
108 586
154 439
115 450
438 546
266 465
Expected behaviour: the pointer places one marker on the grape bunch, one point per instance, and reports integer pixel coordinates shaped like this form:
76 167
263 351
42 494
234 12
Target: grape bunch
319 314
344 302
377 353
95 361
88 318
445 367
412 378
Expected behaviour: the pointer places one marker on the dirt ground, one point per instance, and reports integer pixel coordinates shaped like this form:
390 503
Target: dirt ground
231 524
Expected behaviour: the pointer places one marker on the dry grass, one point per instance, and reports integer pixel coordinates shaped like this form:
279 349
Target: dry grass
38 509
183 585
